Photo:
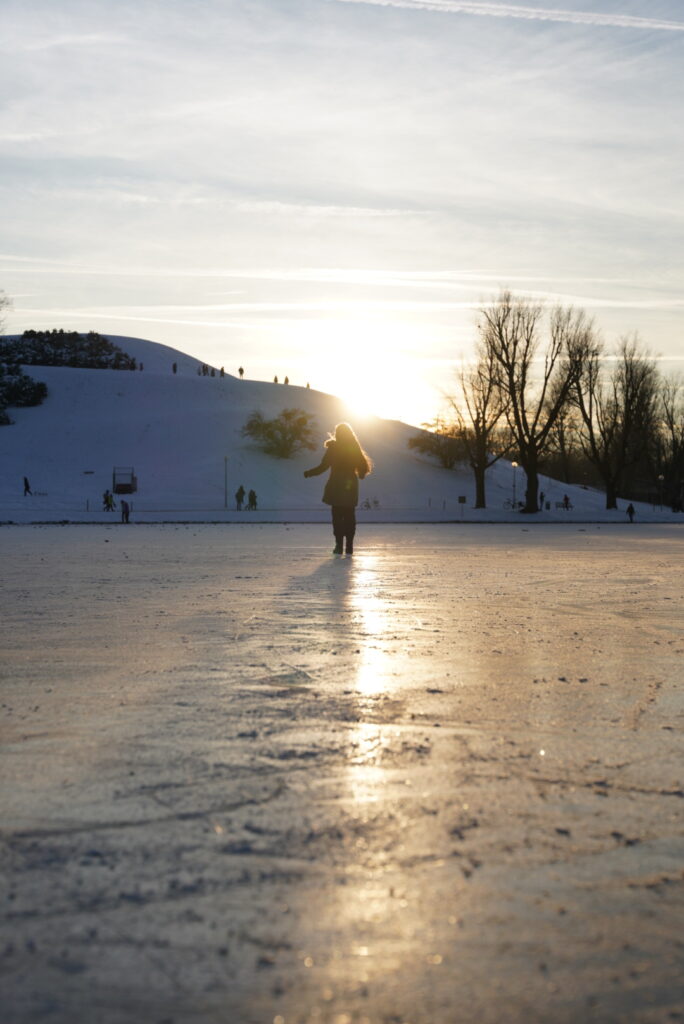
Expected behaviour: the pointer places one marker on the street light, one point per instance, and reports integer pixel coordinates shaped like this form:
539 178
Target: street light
515 466
660 490
225 481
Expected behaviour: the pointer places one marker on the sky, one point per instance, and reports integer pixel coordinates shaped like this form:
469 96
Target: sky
330 189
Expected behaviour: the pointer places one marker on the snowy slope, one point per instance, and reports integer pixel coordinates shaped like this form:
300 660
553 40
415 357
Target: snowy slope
181 433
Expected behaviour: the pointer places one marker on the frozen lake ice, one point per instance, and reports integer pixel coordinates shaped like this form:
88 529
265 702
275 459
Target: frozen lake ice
247 782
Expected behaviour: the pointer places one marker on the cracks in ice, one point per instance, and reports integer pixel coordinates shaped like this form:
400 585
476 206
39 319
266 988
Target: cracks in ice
116 826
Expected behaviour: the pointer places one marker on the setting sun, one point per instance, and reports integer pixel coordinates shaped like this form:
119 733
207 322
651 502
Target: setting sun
367 364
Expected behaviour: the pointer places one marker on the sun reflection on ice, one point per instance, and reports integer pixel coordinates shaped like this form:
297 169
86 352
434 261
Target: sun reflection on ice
372 625
374 908
371 621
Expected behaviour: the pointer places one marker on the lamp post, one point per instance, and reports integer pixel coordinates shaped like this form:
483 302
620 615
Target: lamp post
225 481
515 466
660 490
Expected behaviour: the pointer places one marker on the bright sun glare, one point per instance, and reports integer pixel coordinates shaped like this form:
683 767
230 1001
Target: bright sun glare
366 365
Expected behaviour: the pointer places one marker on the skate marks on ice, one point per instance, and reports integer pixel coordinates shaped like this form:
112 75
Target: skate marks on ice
438 781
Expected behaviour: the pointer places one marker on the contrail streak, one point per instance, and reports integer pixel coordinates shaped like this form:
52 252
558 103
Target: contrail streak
493 10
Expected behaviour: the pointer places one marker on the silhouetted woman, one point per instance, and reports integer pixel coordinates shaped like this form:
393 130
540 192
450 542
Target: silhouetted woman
348 463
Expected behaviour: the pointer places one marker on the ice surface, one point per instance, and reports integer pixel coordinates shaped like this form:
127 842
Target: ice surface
245 782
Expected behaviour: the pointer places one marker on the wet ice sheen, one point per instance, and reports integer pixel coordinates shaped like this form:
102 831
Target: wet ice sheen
439 781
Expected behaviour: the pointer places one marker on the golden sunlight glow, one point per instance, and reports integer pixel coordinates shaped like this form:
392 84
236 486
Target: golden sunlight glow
371 620
374 368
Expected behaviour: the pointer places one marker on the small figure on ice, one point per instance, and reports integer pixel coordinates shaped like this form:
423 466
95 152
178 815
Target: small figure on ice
348 463
630 512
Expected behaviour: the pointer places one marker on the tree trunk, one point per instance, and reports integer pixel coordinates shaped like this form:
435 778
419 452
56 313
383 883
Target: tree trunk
531 488
611 494
479 472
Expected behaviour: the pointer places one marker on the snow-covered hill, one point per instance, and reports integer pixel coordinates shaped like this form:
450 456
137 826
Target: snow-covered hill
181 434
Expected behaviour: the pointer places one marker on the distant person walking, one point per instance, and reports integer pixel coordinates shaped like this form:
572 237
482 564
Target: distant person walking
239 498
108 501
27 487
348 463
252 501
125 511
630 512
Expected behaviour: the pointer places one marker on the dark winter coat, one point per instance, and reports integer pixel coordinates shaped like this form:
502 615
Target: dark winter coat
346 469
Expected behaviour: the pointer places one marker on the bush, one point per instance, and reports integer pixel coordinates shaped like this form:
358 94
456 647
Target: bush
23 390
17 388
290 432
442 442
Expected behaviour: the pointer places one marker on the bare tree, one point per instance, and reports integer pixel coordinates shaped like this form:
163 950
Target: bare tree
671 439
535 379
5 306
479 410
618 412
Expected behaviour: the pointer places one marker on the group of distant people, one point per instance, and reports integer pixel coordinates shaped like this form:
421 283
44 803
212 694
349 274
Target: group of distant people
240 495
109 505
204 370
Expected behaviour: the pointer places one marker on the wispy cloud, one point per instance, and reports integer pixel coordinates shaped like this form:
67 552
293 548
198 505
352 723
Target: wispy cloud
85 40
494 10
440 280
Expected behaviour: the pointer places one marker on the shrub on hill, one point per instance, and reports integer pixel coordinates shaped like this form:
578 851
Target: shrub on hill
17 388
290 432
65 348
442 441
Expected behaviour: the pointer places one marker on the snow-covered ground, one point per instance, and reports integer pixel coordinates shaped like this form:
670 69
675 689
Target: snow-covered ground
181 434
438 782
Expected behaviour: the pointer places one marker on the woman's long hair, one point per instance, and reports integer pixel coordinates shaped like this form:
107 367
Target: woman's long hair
345 440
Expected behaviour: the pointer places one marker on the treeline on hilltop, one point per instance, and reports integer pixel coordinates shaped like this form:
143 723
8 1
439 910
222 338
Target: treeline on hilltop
57 347
91 351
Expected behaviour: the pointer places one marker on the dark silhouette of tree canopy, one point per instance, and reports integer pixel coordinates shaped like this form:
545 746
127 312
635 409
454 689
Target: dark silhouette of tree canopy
619 411
534 378
16 387
290 432
670 460
66 348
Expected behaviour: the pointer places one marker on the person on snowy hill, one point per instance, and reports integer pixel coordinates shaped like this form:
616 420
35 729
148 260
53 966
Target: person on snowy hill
239 498
348 463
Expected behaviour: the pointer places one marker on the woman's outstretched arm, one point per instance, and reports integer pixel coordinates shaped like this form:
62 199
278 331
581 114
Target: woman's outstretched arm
321 467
